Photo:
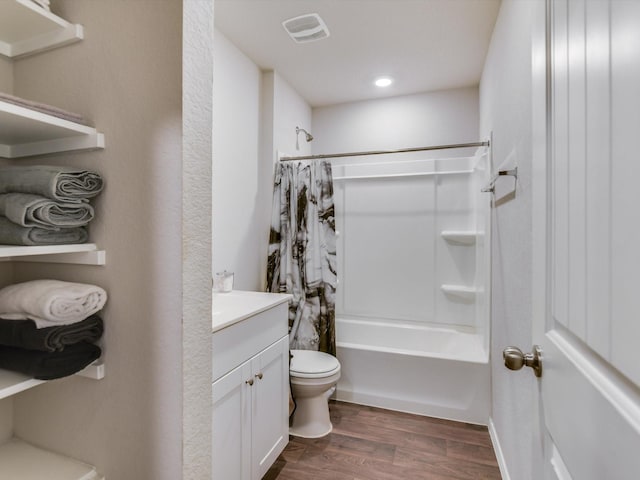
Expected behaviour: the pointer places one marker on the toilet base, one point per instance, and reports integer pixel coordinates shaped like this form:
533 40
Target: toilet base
311 418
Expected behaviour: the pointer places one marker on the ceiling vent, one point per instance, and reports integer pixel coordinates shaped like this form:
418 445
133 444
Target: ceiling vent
306 28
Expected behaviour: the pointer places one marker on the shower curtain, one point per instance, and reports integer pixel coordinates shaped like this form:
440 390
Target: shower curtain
302 252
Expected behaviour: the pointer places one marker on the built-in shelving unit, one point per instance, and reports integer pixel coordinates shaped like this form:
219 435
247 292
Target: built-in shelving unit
460 237
81 254
27 28
25 132
23 461
460 292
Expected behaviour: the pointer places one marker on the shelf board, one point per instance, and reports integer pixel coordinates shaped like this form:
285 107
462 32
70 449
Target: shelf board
460 292
460 237
25 132
27 28
14 382
26 462
81 254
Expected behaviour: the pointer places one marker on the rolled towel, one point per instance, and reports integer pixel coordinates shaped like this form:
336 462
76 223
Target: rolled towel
26 334
51 302
14 234
64 184
30 210
49 365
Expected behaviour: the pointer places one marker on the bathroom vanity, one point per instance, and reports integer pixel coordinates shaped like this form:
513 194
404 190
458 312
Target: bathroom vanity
250 382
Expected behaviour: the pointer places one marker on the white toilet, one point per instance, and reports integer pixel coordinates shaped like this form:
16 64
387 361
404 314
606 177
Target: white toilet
313 378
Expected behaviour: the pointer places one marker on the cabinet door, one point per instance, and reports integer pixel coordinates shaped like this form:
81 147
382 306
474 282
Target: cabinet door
270 407
231 454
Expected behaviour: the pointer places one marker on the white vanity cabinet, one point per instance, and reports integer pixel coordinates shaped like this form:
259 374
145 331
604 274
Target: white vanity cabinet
250 383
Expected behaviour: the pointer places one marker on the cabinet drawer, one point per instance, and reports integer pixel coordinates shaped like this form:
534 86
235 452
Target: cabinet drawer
237 343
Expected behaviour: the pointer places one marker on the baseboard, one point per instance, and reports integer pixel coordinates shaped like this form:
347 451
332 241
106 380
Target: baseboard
502 464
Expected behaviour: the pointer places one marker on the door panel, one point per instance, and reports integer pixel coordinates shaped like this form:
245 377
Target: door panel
270 404
587 239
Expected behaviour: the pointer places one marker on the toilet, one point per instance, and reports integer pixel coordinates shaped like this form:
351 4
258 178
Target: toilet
313 378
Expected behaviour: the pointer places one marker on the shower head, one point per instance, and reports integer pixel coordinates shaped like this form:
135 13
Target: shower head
308 136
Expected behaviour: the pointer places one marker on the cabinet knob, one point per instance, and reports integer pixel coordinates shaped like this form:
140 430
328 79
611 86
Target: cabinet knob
259 375
249 382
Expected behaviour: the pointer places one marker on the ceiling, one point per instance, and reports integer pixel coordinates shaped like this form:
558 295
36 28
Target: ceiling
424 45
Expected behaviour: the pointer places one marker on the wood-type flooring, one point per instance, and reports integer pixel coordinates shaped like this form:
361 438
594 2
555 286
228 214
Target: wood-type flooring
370 443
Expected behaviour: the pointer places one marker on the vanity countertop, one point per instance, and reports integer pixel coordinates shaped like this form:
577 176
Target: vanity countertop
234 306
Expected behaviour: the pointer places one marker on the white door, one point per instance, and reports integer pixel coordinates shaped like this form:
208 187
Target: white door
586 224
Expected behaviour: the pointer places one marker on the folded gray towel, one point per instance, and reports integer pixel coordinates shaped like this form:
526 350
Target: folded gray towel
43 107
13 234
30 210
64 184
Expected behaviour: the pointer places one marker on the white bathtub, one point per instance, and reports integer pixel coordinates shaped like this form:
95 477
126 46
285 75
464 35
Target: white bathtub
437 372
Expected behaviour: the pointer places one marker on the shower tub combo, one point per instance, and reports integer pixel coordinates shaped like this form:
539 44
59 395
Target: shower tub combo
412 310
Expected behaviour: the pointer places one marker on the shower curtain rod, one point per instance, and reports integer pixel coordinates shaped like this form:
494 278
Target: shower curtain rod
383 152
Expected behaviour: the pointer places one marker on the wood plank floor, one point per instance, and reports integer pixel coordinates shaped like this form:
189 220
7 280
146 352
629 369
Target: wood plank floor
375 444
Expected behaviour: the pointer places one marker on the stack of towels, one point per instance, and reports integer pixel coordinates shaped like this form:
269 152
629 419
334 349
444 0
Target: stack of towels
47 327
46 205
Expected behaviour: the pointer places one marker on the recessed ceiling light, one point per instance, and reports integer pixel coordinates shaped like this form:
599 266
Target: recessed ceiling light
383 81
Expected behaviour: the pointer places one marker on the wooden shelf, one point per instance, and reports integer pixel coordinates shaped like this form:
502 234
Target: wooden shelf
27 28
80 254
25 132
23 461
460 237
460 292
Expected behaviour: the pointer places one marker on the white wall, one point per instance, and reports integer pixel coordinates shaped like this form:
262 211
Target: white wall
197 150
254 119
126 77
436 118
290 111
238 194
506 109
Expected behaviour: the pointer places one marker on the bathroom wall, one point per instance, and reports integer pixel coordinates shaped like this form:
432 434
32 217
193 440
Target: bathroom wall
126 77
238 194
506 109
254 118
434 118
391 259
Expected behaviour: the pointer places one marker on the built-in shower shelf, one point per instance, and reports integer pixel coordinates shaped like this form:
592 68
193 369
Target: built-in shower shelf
460 237
460 292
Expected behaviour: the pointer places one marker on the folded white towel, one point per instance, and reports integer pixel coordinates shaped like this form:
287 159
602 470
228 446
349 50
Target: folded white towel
51 302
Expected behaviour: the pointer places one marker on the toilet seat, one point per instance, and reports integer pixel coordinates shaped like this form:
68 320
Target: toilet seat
313 364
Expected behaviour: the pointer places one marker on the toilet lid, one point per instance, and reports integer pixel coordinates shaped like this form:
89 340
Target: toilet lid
309 362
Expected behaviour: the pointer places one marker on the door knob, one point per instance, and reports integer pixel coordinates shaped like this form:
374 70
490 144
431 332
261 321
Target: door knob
514 359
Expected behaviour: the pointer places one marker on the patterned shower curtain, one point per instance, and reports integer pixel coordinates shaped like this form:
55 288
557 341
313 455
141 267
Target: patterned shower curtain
302 252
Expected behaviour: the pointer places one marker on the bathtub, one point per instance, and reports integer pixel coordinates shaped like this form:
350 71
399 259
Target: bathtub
438 372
